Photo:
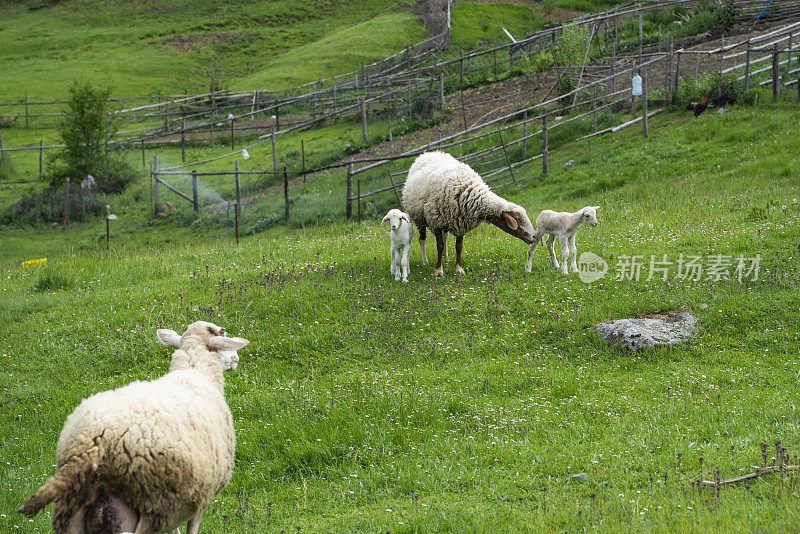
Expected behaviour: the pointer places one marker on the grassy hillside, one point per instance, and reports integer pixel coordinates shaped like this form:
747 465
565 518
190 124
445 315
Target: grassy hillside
464 404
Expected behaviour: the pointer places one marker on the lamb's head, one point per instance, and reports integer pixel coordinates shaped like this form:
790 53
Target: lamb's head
207 335
514 220
395 218
589 215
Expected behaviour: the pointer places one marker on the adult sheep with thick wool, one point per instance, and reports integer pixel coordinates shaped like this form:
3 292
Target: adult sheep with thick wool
448 196
149 456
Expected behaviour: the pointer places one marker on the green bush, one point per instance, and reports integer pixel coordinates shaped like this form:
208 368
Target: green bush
264 224
571 45
86 129
7 171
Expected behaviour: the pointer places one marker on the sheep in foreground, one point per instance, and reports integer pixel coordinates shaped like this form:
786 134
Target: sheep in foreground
448 196
564 225
149 456
401 242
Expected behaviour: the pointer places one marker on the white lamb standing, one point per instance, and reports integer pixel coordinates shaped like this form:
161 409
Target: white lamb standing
149 456
448 196
564 225
400 237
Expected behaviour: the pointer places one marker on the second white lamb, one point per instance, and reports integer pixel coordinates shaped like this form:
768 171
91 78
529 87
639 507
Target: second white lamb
564 225
401 235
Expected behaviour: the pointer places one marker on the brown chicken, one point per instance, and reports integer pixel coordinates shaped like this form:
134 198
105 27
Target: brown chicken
698 107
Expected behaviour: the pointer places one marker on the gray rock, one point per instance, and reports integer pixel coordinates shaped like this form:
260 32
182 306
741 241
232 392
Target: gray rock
580 478
648 332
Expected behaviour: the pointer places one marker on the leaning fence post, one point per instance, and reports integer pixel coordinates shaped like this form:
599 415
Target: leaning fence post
194 191
391 181
644 104
349 207
747 67
544 143
285 194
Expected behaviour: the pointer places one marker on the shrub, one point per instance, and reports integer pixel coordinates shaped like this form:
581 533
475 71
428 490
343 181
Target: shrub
48 207
571 45
6 167
85 130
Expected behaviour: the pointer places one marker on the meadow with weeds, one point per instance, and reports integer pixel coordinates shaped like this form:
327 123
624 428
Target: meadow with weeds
463 404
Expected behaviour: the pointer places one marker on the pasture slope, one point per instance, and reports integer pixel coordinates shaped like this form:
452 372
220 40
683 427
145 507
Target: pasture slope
463 404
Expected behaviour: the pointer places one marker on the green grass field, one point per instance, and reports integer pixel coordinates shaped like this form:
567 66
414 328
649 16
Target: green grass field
464 404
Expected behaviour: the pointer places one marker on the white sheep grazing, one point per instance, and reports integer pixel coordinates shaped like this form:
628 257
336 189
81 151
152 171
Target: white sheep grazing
564 225
149 456
448 196
401 242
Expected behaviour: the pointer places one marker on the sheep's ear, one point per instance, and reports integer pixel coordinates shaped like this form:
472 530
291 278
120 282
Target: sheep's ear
596 208
510 220
385 220
227 343
168 337
404 218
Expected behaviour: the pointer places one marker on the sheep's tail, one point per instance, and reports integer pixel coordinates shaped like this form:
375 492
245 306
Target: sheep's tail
68 482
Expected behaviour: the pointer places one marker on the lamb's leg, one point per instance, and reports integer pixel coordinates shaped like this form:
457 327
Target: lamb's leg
393 263
406 253
529 263
573 253
564 253
422 236
396 263
459 247
551 239
439 272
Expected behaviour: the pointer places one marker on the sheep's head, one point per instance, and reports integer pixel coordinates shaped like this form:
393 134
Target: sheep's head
209 335
514 220
589 215
395 218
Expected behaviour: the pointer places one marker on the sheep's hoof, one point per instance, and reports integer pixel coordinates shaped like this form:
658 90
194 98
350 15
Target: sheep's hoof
528 268
438 273
405 280
574 269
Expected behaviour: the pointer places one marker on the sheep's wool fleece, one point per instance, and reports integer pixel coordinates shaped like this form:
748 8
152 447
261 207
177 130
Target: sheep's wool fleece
162 438
447 195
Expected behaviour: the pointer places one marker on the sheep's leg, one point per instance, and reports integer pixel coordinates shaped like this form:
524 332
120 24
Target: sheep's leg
422 236
551 239
459 247
194 523
143 527
392 254
396 263
529 263
564 253
406 253
573 253
444 256
439 272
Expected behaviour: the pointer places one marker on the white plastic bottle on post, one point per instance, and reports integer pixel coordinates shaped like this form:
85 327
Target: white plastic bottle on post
636 85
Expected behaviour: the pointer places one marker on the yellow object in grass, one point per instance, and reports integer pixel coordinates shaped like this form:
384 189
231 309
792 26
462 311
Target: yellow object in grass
33 263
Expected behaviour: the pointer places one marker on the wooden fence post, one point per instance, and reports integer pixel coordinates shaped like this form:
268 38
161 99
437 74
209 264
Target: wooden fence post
508 160
155 182
668 75
358 199
644 104
349 207
641 35
183 141
544 143
195 201
238 199
441 90
775 70
461 68
677 73
285 194
747 67
232 138
594 109
274 153
363 121
41 157
142 154
721 60
26 109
